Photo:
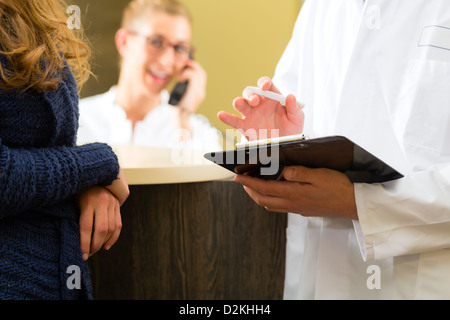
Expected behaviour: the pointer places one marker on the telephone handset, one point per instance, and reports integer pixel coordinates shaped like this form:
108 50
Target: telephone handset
179 90
177 93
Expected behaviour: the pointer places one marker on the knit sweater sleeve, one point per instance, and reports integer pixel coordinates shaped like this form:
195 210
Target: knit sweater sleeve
36 178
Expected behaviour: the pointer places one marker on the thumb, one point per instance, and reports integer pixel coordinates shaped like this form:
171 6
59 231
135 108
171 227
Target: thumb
298 174
294 109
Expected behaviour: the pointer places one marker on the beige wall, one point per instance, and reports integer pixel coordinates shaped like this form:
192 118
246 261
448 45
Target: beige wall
237 42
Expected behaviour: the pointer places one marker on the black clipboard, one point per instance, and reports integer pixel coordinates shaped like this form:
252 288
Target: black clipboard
267 160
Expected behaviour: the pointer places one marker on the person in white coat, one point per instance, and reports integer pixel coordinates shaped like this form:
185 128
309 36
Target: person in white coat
377 72
154 43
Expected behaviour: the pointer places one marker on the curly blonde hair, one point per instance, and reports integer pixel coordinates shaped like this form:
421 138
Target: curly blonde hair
36 43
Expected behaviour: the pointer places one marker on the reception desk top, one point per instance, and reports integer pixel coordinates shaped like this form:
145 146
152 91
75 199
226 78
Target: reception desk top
149 165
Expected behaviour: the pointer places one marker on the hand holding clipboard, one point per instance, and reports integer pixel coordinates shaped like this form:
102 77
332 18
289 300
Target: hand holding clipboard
319 172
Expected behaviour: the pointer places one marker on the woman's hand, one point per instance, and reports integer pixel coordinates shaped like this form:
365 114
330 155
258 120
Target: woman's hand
100 220
119 188
260 115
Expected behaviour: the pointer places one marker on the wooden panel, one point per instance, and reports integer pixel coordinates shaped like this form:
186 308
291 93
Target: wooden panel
193 241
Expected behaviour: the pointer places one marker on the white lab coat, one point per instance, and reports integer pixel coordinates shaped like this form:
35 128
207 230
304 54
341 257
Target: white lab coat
103 120
378 72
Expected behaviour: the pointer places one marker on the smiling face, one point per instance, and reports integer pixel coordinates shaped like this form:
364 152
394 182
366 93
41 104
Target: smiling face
152 51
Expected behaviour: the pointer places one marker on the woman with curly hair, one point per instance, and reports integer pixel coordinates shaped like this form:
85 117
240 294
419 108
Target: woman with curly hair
59 203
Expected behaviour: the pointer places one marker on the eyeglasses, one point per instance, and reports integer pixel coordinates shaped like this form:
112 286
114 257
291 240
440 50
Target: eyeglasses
158 44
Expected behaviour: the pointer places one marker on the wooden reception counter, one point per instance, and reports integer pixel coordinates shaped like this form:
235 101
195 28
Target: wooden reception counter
189 233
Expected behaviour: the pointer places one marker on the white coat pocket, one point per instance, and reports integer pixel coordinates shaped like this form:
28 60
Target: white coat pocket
435 36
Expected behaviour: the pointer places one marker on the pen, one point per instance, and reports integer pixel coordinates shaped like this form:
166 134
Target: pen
271 141
269 94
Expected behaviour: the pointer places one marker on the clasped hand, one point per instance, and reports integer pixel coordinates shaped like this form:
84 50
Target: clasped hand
100 219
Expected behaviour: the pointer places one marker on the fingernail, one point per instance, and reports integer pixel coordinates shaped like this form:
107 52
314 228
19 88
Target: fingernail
290 173
107 248
237 179
85 256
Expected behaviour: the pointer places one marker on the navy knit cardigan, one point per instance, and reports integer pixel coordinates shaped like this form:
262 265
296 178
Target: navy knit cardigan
41 169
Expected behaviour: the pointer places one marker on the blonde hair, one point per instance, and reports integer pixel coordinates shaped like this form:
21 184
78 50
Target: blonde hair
139 9
36 42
